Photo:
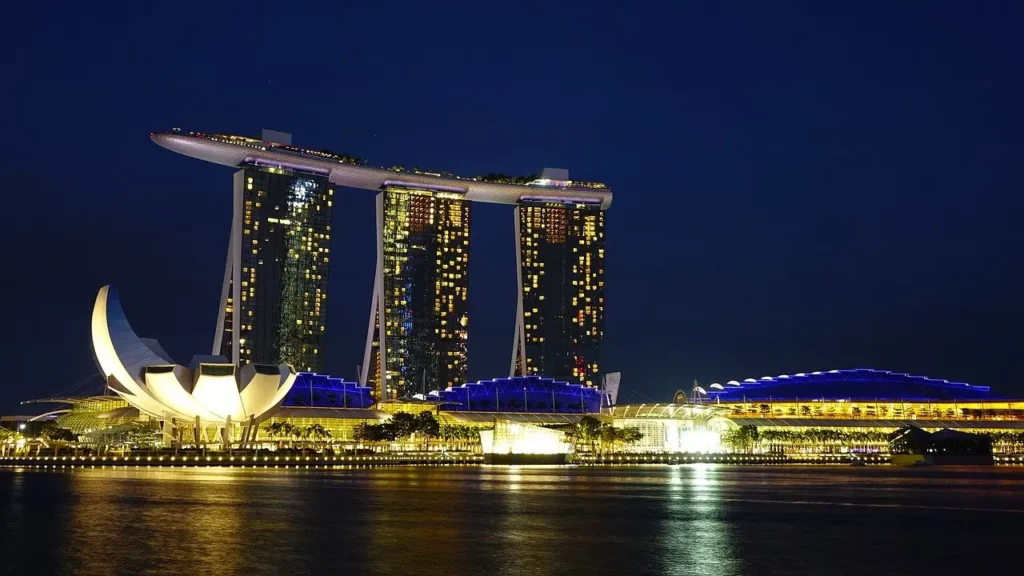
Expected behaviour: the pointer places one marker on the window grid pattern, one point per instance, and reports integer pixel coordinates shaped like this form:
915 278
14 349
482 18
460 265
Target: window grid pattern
285 248
425 289
562 250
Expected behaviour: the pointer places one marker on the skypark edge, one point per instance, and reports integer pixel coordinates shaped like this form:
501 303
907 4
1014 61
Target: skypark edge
349 171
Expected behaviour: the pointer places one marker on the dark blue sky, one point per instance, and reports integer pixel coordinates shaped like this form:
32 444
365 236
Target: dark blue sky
798 186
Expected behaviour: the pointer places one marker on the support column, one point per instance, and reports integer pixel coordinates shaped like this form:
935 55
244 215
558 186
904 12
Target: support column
253 428
218 336
519 338
377 321
236 266
232 287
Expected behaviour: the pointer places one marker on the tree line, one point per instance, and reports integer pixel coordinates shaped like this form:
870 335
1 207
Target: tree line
598 436
747 438
500 178
314 434
403 426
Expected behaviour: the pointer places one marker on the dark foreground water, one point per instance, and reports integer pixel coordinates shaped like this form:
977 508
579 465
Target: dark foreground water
697 519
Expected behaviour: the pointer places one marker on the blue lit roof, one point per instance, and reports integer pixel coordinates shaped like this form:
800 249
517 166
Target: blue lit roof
858 383
320 390
522 394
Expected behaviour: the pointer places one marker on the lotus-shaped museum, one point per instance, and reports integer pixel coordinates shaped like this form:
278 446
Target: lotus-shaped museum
210 390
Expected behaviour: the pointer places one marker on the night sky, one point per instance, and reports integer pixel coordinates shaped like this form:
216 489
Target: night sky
798 187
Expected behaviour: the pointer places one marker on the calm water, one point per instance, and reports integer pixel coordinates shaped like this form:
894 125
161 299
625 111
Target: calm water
657 520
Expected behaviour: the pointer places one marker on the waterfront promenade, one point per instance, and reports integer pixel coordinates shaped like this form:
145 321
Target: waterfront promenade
434 459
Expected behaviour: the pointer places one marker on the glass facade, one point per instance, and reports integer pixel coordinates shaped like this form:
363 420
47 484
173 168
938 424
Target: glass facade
424 290
561 257
284 244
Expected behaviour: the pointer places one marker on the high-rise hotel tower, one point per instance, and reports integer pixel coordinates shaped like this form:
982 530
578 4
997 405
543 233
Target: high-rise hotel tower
560 314
419 318
274 296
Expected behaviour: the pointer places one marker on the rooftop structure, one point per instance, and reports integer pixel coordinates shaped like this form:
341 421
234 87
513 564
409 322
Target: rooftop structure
522 394
323 391
344 170
855 384
86 414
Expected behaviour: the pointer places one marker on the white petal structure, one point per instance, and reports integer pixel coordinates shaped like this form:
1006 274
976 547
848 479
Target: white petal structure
121 355
166 384
263 387
143 374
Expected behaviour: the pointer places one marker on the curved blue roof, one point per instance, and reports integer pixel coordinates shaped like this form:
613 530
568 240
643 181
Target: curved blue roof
322 391
855 384
521 394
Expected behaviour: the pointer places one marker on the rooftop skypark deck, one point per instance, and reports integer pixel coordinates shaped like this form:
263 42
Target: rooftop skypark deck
351 171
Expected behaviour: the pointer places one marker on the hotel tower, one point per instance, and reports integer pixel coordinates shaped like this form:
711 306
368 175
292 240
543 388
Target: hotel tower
419 317
560 249
274 295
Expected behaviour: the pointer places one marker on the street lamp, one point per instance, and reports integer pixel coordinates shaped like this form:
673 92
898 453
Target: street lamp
21 426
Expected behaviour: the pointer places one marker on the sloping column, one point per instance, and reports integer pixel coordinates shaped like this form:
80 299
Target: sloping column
519 336
377 320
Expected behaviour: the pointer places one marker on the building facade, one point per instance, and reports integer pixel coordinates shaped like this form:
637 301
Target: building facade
560 313
419 321
274 295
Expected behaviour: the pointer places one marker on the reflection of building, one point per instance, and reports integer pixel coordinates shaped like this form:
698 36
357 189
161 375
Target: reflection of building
274 298
420 292
560 315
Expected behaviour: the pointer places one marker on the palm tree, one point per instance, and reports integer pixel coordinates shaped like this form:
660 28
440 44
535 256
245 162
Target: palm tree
427 426
456 436
278 430
587 431
300 433
743 438
315 432
452 435
312 432
609 434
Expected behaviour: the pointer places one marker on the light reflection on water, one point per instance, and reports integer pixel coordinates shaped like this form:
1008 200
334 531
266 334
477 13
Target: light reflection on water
694 519
696 531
